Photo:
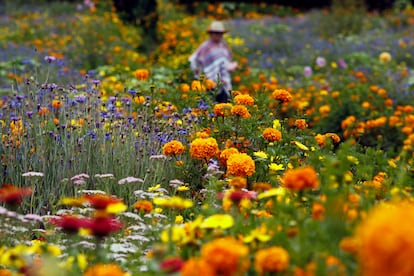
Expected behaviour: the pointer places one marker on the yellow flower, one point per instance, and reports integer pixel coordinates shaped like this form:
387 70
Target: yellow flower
275 192
300 145
260 154
183 188
221 221
73 201
116 208
179 219
352 159
385 57
276 124
154 188
176 233
258 234
174 202
276 167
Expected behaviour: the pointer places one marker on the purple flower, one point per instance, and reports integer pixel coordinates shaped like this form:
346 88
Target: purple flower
342 63
50 59
307 71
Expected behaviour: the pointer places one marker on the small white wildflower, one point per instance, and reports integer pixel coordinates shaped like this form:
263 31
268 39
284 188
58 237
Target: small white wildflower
107 175
28 174
130 179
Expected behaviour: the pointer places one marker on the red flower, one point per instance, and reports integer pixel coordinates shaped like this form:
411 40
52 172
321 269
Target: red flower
172 264
71 223
13 195
100 202
103 226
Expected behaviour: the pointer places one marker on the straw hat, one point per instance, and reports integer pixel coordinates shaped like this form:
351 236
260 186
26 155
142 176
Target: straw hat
216 27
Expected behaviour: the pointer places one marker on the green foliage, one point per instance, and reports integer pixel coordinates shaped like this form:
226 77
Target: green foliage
344 18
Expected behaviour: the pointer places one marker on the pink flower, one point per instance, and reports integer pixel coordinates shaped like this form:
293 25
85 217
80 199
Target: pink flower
320 61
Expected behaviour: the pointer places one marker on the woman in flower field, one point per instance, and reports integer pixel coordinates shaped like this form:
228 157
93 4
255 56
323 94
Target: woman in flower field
213 58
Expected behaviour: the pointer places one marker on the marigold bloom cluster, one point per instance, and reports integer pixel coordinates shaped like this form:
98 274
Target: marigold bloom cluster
105 269
240 110
244 99
141 74
271 260
272 134
321 138
282 95
143 206
300 178
222 109
173 148
204 148
197 266
240 164
224 155
226 256
385 240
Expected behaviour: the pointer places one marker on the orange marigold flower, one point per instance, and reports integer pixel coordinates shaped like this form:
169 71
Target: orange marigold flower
104 270
318 211
244 99
272 134
320 139
209 84
391 253
282 95
204 148
141 74
173 147
300 179
56 104
240 164
184 87
224 155
222 109
261 186
238 182
197 266
196 85
227 256
271 260
301 123
240 110
144 206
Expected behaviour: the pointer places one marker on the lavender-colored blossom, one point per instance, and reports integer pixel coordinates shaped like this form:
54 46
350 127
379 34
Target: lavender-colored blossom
50 59
342 63
80 176
321 61
307 71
